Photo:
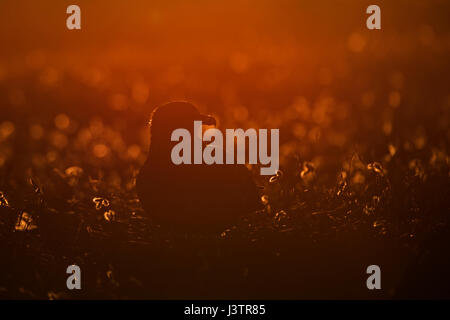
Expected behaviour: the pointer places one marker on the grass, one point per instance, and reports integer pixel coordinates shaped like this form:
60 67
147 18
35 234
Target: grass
312 240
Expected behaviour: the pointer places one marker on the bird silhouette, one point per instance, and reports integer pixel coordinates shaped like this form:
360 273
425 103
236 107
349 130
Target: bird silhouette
191 197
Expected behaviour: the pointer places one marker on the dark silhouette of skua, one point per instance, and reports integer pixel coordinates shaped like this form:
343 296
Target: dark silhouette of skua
191 197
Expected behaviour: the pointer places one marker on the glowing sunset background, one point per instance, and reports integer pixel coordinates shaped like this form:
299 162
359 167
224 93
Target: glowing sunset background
363 118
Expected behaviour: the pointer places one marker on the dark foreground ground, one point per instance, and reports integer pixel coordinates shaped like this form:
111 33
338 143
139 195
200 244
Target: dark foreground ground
316 245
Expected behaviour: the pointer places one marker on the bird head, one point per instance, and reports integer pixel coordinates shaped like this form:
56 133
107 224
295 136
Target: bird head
169 117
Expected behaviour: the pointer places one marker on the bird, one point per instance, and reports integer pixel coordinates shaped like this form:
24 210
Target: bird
191 198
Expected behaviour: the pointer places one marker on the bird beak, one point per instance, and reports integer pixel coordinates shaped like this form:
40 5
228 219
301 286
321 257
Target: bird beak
208 120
